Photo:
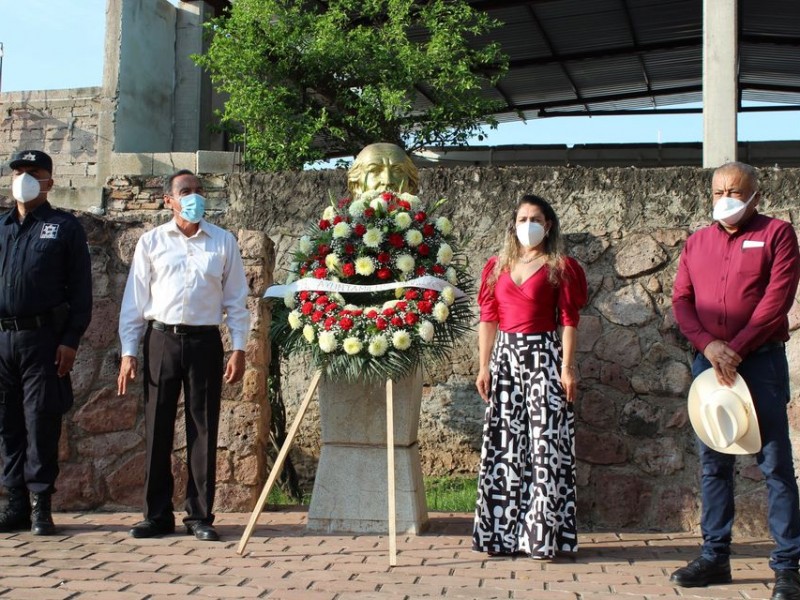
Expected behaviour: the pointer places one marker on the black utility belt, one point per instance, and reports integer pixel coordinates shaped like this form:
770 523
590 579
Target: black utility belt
768 347
183 329
24 323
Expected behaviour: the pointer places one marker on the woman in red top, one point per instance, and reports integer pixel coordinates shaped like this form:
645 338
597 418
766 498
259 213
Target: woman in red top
528 378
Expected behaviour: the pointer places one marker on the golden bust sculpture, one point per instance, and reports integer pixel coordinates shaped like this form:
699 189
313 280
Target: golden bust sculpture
382 167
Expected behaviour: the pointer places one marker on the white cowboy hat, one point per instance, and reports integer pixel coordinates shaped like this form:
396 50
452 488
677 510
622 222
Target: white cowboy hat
724 418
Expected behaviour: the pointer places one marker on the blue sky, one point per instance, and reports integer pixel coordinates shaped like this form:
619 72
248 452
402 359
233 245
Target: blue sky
55 44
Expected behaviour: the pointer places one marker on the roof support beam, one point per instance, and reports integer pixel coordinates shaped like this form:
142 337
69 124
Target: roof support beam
720 94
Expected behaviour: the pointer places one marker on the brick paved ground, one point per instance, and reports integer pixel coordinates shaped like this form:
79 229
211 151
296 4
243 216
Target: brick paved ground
94 558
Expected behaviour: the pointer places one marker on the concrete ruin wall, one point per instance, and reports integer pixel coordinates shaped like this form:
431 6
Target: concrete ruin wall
638 465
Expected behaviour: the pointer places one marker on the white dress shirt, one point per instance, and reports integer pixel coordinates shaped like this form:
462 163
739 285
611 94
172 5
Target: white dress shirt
181 280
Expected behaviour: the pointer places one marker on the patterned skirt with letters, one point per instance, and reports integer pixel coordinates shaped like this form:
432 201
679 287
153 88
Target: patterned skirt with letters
526 486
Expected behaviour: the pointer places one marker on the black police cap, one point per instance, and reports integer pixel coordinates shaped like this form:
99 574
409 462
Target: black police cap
35 158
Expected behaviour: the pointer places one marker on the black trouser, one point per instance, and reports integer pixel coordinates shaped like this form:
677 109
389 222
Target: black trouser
192 362
33 399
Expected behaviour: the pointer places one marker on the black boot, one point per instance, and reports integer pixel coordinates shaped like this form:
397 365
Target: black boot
17 514
41 516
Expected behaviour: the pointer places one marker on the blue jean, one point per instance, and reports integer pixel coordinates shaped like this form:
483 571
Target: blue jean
767 377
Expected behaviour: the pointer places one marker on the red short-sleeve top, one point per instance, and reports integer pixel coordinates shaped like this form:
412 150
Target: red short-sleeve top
536 305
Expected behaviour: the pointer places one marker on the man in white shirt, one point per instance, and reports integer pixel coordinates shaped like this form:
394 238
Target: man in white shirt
186 278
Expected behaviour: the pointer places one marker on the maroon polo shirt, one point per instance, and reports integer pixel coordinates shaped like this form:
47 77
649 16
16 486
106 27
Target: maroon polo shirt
737 287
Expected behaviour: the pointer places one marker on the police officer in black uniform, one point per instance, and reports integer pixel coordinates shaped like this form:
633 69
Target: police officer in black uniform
45 307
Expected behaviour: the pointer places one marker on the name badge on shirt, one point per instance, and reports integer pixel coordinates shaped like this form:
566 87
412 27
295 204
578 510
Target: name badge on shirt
751 244
49 231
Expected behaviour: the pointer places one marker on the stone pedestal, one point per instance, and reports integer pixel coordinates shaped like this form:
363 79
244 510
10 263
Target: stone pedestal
350 489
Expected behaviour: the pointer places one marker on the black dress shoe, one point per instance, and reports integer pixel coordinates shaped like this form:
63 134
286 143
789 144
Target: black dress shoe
702 572
149 528
203 532
787 585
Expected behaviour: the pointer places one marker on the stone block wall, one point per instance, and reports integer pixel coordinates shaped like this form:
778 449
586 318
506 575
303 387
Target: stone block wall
102 448
638 466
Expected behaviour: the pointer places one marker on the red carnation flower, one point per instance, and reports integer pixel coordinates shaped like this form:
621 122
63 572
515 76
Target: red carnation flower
427 230
372 314
397 321
357 312
412 295
404 204
423 249
388 312
346 323
344 202
359 229
329 322
395 240
317 316
430 295
338 219
424 307
420 271
401 305
323 250
348 269
384 273
303 270
387 196
369 212
420 217
349 248
411 318
322 300
384 258
320 273
331 307
303 295
307 308
438 269
381 324
324 224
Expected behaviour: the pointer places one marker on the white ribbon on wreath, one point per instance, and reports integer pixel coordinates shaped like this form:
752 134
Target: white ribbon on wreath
323 285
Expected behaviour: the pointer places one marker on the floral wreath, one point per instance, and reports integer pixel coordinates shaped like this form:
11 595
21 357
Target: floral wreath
376 288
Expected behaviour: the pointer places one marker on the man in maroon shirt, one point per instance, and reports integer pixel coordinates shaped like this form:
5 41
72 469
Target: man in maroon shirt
735 284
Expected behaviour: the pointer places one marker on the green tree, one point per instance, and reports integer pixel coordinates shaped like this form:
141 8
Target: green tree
308 79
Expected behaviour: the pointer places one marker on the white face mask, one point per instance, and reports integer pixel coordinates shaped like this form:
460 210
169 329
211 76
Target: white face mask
530 234
730 210
26 187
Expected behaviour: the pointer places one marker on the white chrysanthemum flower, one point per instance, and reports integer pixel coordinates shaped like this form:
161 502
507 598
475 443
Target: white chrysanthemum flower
291 278
444 225
329 213
294 319
327 341
449 295
380 205
425 330
413 200
378 345
402 220
413 238
401 340
352 345
405 262
357 208
445 254
451 275
288 300
373 238
369 195
441 312
332 261
341 230
304 245
309 334
365 266
336 297
350 307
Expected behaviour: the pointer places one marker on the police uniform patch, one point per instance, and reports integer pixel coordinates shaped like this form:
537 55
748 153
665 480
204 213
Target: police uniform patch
49 231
